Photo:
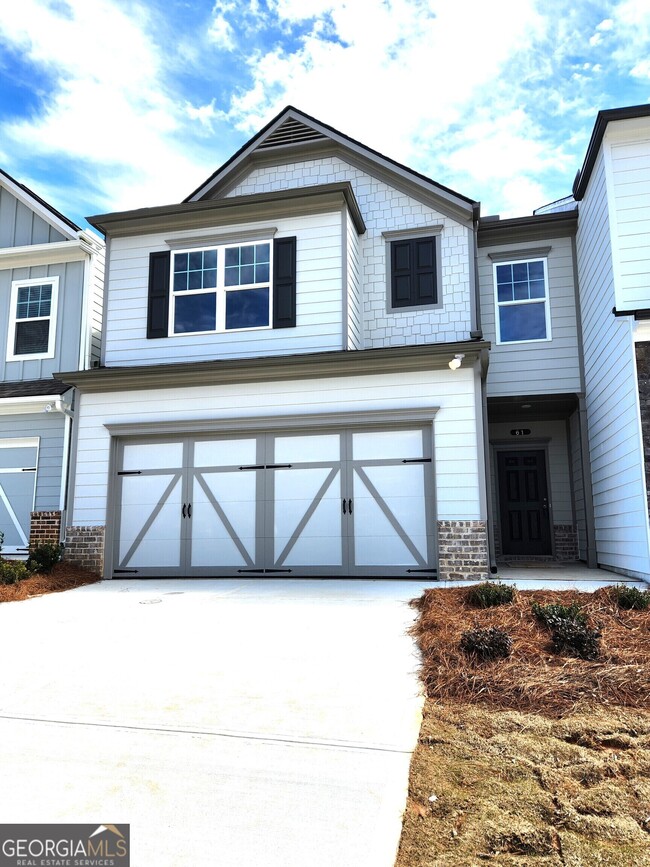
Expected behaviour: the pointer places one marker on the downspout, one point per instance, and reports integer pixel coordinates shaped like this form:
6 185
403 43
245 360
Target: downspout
64 409
477 331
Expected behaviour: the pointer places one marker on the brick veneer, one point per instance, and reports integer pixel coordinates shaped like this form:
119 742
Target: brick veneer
84 546
566 542
643 384
45 528
462 550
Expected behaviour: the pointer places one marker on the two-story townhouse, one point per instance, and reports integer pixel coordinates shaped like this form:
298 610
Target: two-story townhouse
613 256
51 284
292 377
540 492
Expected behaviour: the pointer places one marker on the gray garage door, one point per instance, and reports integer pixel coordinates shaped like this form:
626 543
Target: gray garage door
342 502
18 459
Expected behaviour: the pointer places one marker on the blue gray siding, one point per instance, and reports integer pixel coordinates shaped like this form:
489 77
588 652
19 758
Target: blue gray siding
50 428
20 226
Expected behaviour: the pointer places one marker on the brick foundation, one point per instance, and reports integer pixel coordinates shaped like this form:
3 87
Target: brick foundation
463 550
566 542
84 546
45 528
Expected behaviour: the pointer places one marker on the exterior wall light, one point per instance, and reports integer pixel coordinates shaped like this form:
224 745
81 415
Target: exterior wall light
456 361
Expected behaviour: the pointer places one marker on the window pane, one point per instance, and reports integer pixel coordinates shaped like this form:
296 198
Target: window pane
523 322
505 292
536 270
520 271
210 279
263 253
504 274
232 276
195 279
520 291
248 308
247 274
537 289
195 313
247 255
262 273
232 256
33 301
210 259
32 337
196 261
180 262
180 281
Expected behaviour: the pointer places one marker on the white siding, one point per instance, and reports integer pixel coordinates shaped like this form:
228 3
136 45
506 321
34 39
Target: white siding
387 209
455 426
620 509
355 324
629 165
318 303
96 311
538 367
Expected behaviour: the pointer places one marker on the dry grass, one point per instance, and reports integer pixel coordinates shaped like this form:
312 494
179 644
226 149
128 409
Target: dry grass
62 577
538 759
533 677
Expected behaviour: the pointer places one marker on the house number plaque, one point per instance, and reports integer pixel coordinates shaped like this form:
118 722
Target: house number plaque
520 432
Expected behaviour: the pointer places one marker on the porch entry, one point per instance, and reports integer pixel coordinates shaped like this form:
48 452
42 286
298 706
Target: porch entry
523 503
333 502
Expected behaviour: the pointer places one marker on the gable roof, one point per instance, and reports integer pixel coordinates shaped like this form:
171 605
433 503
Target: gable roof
602 119
35 202
294 131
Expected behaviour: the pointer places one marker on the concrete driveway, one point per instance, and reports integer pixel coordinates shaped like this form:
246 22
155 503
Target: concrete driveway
231 723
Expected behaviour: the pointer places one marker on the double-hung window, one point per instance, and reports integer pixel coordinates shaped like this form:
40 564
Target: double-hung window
522 303
32 319
221 288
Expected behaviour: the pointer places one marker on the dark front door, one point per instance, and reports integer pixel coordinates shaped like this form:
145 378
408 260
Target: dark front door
523 499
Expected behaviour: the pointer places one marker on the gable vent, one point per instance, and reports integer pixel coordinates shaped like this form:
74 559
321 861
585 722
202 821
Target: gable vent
291 132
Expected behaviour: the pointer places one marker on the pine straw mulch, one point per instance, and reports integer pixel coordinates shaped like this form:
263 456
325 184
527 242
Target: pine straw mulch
62 577
538 759
533 677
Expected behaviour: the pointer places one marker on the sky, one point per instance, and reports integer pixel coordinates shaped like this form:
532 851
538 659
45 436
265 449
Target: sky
115 104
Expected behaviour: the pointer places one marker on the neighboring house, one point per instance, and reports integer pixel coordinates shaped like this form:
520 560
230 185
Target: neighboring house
51 283
325 363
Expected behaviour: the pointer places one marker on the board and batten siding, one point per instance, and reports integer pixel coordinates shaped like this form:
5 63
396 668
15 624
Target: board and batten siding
354 319
20 226
628 168
620 508
49 428
319 309
68 321
455 427
536 367
386 209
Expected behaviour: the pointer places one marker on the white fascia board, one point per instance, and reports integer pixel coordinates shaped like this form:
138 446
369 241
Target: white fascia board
34 205
45 254
33 404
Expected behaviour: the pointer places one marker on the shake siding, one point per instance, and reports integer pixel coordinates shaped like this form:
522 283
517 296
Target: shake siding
20 226
50 429
455 427
387 209
318 303
355 335
630 166
620 509
538 367
578 485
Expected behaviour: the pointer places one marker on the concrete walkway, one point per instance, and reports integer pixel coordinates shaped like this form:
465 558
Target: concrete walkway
231 723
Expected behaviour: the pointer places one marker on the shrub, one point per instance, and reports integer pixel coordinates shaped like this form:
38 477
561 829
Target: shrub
489 643
489 594
630 598
554 613
12 571
43 558
576 639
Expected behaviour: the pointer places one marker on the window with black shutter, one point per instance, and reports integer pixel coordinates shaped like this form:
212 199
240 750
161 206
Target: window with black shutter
413 276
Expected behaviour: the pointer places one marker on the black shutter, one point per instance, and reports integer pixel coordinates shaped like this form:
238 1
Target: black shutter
284 283
158 308
413 272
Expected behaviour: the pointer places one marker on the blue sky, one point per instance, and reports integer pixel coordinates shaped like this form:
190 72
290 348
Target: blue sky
113 104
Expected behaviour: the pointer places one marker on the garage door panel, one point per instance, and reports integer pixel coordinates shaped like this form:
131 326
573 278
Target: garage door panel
16 504
301 448
225 452
152 456
224 519
150 521
387 445
402 488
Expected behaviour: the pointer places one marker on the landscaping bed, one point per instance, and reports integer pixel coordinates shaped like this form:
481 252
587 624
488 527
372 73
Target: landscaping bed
43 572
539 757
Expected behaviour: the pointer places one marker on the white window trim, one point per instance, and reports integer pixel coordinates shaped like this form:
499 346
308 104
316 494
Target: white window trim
220 290
11 339
498 304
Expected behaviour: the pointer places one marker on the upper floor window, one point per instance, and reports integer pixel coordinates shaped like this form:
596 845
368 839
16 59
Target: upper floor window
413 272
222 288
32 319
522 305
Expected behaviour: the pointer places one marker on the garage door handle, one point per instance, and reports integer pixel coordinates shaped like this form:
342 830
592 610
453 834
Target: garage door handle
184 510
350 505
344 505
189 511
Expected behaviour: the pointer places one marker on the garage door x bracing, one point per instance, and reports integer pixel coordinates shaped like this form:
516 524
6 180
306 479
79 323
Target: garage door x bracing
344 502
